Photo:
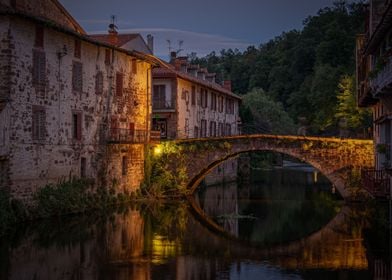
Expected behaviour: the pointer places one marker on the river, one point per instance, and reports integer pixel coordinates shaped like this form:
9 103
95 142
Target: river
282 223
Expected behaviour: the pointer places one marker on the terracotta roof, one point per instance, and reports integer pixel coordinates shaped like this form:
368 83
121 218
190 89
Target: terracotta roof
122 38
168 71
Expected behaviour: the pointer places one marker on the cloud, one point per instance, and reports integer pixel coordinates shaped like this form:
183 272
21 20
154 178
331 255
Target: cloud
200 43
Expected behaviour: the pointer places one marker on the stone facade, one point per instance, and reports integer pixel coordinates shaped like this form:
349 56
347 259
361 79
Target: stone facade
188 103
69 106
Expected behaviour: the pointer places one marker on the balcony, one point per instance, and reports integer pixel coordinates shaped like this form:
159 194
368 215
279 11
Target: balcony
126 136
376 182
381 83
162 104
364 95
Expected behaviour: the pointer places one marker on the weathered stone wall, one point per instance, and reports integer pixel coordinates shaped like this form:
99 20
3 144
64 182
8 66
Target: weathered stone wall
34 163
195 113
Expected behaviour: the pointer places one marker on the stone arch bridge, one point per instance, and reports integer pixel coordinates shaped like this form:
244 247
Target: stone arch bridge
191 159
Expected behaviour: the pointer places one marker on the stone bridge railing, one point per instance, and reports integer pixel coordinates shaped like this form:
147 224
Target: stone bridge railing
190 160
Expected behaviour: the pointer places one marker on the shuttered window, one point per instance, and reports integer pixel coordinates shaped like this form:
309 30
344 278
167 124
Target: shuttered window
107 56
77 125
38 123
77 76
124 166
78 49
39 37
119 84
134 66
99 83
39 68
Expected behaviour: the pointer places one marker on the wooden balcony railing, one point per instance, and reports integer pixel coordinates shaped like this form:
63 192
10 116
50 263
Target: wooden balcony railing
126 136
160 104
376 182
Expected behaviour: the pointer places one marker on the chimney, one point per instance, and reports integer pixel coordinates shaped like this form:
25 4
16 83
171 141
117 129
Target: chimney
173 56
150 43
201 74
227 85
210 77
113 38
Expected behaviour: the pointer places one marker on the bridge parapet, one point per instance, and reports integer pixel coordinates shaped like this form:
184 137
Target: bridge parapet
190 160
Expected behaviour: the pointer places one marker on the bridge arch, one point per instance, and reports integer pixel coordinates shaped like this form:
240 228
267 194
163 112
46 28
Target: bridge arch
194 183
335 158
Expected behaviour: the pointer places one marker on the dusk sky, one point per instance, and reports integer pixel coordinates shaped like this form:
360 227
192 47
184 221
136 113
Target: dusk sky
202 25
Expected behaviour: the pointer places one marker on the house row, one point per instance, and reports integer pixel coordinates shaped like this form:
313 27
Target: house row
374 89
80 105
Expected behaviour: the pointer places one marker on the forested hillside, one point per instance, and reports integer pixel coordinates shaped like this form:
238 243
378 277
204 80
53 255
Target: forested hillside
308 73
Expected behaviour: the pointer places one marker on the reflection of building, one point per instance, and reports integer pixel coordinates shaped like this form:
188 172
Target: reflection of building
67 101
224 172
374 81
221 202
187 102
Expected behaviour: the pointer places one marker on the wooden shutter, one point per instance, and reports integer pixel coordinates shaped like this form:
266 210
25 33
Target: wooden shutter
39 67
79 127
39 37
38 124
119 84
77 76
78 49
99 83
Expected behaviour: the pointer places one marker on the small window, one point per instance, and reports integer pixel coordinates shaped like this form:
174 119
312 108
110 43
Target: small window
39 37
39 70
124 165
119 84
134 66
77 76
77 126
99 83
83 167
39 123
193 97
107 56
78 48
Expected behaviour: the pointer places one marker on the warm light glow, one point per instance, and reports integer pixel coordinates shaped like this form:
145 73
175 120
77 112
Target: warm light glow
157 150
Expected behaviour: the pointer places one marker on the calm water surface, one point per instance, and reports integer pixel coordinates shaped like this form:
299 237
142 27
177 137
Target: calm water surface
283 224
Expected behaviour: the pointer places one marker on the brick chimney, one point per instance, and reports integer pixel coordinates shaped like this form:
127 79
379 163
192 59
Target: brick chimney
150 43
113 38
227 85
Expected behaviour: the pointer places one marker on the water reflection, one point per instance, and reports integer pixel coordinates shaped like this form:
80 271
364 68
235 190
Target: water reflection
174 241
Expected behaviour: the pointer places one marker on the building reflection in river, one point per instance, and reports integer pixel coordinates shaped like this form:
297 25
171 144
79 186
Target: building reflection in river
168 242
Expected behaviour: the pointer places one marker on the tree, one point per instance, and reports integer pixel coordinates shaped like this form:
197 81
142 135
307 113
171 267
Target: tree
347 110
262 114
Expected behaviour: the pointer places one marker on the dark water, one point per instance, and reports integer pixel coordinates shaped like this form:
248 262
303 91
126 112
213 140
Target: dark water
285 224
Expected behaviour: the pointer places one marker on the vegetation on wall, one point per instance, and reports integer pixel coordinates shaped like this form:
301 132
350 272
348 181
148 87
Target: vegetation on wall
300 70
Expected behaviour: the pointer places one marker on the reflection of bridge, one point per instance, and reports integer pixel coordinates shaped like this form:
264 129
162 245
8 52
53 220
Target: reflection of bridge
335 246
335 158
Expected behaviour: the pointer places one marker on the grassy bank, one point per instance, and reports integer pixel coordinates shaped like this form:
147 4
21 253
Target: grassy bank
67 197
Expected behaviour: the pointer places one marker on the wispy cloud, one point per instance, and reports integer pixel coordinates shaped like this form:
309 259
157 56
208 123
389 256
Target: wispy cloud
200 43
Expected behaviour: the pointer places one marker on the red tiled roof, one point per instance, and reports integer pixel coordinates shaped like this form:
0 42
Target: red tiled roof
122 38
168 71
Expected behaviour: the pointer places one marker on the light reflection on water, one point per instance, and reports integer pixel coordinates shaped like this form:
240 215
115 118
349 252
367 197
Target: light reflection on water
168 241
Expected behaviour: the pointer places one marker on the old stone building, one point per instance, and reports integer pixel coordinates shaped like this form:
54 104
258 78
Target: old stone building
374 85
69 105
188 103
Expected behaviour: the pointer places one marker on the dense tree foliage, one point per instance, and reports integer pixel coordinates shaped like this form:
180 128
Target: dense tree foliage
299 69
